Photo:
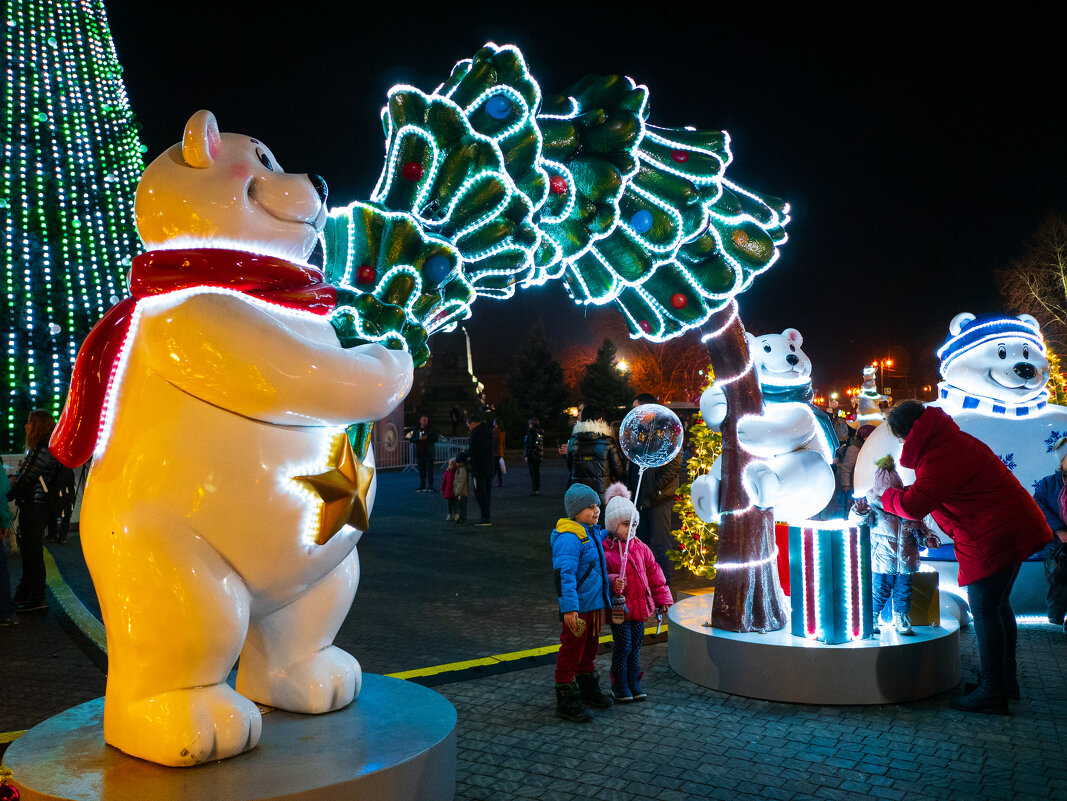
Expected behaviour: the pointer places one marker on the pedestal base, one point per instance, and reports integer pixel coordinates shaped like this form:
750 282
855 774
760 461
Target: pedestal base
781 667
397 741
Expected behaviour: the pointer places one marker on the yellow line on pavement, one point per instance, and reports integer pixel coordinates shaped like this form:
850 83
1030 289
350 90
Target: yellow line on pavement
514 656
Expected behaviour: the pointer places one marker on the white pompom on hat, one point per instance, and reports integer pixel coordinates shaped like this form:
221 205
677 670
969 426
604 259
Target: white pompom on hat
1060 449
619 507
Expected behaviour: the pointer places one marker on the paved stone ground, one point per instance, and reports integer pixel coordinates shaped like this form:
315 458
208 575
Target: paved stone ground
432 593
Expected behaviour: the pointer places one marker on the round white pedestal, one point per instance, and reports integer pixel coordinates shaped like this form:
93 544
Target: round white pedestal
397 741
781 667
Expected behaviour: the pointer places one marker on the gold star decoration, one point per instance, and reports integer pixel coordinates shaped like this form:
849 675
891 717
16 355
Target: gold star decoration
343 490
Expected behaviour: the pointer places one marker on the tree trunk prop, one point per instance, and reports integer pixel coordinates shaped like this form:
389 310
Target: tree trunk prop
747 598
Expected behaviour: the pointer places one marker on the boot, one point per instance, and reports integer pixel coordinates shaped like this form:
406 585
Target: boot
620 687
1011 687
589 687
981 700
902 621
569 704
635 686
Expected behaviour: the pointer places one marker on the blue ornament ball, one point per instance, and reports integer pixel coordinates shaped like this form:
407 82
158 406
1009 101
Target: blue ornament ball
437 269
651 435
641 221
498 107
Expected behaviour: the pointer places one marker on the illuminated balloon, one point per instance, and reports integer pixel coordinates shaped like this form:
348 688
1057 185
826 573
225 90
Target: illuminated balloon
651 435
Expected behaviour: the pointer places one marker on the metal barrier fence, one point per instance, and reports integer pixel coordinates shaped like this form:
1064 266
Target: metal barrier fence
393 452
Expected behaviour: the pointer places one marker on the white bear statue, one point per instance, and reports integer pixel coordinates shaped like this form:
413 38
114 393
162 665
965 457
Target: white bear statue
224 503
995 374
868 400
794 446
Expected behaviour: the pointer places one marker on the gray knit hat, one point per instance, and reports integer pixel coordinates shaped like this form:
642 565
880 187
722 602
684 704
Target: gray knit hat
579 497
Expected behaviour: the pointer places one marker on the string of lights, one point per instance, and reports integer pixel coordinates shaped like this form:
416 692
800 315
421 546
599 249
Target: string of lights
71 163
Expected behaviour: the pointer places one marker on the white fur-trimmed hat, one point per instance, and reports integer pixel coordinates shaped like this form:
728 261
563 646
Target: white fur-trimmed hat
619 507
1060 449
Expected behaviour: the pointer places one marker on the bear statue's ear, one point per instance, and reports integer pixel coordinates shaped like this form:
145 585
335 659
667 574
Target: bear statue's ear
959 321
793 336
201 143
1030 321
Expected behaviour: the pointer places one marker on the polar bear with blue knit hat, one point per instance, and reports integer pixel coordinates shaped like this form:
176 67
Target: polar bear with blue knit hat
994 385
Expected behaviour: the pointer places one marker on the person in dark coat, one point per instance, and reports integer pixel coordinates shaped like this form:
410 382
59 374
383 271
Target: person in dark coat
533 452
480 448
424 436
994 524
1051 496
593 453
30 490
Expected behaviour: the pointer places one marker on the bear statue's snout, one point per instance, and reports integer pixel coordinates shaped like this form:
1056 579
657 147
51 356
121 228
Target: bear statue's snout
1025 370
793 359
319 183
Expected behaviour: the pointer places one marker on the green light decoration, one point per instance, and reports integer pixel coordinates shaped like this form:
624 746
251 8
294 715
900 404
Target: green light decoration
489 186
71 163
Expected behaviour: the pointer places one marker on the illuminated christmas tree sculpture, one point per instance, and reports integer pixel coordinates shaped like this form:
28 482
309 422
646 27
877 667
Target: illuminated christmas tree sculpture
71 163
488 186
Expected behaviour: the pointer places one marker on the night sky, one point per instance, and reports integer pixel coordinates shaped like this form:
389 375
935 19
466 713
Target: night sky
918 151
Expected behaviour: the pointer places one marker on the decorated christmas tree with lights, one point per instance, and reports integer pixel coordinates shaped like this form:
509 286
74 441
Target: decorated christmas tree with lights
697 542
71 162
489 186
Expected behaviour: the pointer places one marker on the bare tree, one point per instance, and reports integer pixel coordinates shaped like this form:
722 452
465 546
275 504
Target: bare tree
1036 281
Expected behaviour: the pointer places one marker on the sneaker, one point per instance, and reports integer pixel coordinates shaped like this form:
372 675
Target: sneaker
9 621
448 518
902 621
483 523
31 606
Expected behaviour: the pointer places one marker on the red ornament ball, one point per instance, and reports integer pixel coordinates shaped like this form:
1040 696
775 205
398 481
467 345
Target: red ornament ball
646 326
679 301
680 156
696 536
558 185
411 171
366 274
681 547
9 792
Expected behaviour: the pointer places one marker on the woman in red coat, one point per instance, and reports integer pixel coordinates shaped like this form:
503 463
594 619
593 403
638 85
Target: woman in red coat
994 524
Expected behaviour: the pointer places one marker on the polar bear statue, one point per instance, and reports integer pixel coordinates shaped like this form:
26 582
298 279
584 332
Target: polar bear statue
225 501
994 373
794 442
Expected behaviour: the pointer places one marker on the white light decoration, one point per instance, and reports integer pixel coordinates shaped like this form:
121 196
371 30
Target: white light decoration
71 160
830 581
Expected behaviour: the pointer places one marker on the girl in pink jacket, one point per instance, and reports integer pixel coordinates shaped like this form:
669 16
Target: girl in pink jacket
644 590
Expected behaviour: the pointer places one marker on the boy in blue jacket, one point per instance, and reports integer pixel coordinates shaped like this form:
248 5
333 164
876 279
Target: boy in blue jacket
582 587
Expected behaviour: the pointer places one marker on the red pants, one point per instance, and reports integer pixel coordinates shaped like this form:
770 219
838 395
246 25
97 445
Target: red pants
576 654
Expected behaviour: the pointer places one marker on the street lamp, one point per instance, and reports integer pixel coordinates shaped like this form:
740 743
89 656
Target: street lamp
622 366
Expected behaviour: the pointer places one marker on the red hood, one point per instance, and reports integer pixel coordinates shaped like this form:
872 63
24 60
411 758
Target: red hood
932 427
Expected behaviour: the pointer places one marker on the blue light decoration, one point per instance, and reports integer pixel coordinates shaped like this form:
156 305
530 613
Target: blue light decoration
512 189
830 580
71 160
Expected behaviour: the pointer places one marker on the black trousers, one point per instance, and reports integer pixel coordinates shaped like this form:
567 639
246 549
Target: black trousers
33 523
535 473
483 486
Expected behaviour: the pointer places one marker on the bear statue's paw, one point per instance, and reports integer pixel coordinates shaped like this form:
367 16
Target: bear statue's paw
783 427
762 484
327 680
185 727
704 494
